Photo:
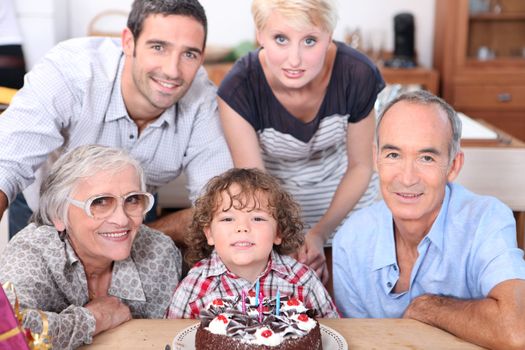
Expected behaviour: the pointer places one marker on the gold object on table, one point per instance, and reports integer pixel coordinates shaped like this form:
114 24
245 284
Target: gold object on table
35 341
6 95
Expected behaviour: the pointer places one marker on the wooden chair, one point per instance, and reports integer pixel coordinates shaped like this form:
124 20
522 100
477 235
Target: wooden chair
108 23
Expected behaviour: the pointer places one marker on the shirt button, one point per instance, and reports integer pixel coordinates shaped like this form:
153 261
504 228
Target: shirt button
389 285
132 136
395 268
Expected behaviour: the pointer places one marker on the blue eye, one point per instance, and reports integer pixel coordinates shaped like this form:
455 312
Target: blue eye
279 39
310 41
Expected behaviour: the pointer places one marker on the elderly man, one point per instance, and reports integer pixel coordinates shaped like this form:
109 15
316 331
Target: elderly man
432 250
148 95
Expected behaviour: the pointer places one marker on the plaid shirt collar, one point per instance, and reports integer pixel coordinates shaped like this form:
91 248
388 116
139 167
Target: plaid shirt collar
217 267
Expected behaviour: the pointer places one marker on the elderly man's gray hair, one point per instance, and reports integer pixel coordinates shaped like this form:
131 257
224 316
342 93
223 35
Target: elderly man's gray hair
72 167
426 98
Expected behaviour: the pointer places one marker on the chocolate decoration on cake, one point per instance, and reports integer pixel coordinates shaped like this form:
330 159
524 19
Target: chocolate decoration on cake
225 326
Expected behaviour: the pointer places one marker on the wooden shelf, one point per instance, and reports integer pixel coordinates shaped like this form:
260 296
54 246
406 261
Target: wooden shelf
427 78
504 16
498 62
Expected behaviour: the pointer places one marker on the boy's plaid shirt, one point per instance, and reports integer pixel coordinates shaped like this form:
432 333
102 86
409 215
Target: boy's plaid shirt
210 279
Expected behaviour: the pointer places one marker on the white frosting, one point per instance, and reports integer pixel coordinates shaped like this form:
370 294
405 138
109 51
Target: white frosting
217 326
273 340
304 325
298 308
252 312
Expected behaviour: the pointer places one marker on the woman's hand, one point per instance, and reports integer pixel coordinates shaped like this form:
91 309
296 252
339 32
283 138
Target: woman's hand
312 254
109 312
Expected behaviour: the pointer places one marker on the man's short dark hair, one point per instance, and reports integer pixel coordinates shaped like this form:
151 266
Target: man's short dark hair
141 9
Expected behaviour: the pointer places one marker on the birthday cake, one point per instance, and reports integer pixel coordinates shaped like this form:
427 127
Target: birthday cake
237 325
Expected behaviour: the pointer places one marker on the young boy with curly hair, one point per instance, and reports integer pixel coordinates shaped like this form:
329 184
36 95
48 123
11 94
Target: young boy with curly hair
243 226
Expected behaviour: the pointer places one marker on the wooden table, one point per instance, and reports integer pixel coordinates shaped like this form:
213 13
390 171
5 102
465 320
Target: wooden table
359 334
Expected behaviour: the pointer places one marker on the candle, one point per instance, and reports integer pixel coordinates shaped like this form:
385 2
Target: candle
260 308
243 296
257 288
278 303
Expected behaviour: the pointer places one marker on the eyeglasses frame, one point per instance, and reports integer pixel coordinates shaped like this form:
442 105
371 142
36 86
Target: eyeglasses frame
85 205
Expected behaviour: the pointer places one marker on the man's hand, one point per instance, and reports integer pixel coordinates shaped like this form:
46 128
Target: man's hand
312 254
420 306
494 322
109 312
174 225
3 203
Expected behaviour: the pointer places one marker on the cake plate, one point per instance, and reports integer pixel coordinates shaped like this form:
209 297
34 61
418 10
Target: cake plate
331 339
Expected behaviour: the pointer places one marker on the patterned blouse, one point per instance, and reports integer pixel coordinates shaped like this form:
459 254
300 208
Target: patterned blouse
210 279
48 275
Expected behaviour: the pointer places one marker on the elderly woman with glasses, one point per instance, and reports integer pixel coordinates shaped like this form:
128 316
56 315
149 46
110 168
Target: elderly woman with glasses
86 260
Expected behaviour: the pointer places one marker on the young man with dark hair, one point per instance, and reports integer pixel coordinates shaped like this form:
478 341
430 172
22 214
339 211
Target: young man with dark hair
147 93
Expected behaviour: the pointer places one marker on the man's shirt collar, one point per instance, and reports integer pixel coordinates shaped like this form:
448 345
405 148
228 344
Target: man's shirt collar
385 251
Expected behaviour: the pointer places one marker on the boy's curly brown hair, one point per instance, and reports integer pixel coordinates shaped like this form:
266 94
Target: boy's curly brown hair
252 183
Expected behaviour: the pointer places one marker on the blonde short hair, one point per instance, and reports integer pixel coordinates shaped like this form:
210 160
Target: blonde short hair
299 13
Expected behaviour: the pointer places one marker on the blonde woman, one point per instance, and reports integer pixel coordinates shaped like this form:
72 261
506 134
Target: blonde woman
301 108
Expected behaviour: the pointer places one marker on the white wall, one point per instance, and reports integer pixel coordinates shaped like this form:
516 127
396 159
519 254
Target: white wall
43 23
230 20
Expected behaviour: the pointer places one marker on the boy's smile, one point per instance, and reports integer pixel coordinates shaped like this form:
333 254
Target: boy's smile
243 244
243 238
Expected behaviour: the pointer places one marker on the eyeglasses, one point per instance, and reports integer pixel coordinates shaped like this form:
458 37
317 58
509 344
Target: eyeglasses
102 206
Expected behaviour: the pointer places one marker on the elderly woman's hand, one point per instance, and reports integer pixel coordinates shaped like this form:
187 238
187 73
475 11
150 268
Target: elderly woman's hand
109 312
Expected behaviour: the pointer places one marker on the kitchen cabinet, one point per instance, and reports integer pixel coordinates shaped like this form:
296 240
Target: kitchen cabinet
480 55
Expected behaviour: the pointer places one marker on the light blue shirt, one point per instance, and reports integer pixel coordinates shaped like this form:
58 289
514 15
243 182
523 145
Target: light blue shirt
470 248
73 97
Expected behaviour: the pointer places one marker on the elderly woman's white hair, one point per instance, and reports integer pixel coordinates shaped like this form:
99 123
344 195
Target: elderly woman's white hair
69 169
298 13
